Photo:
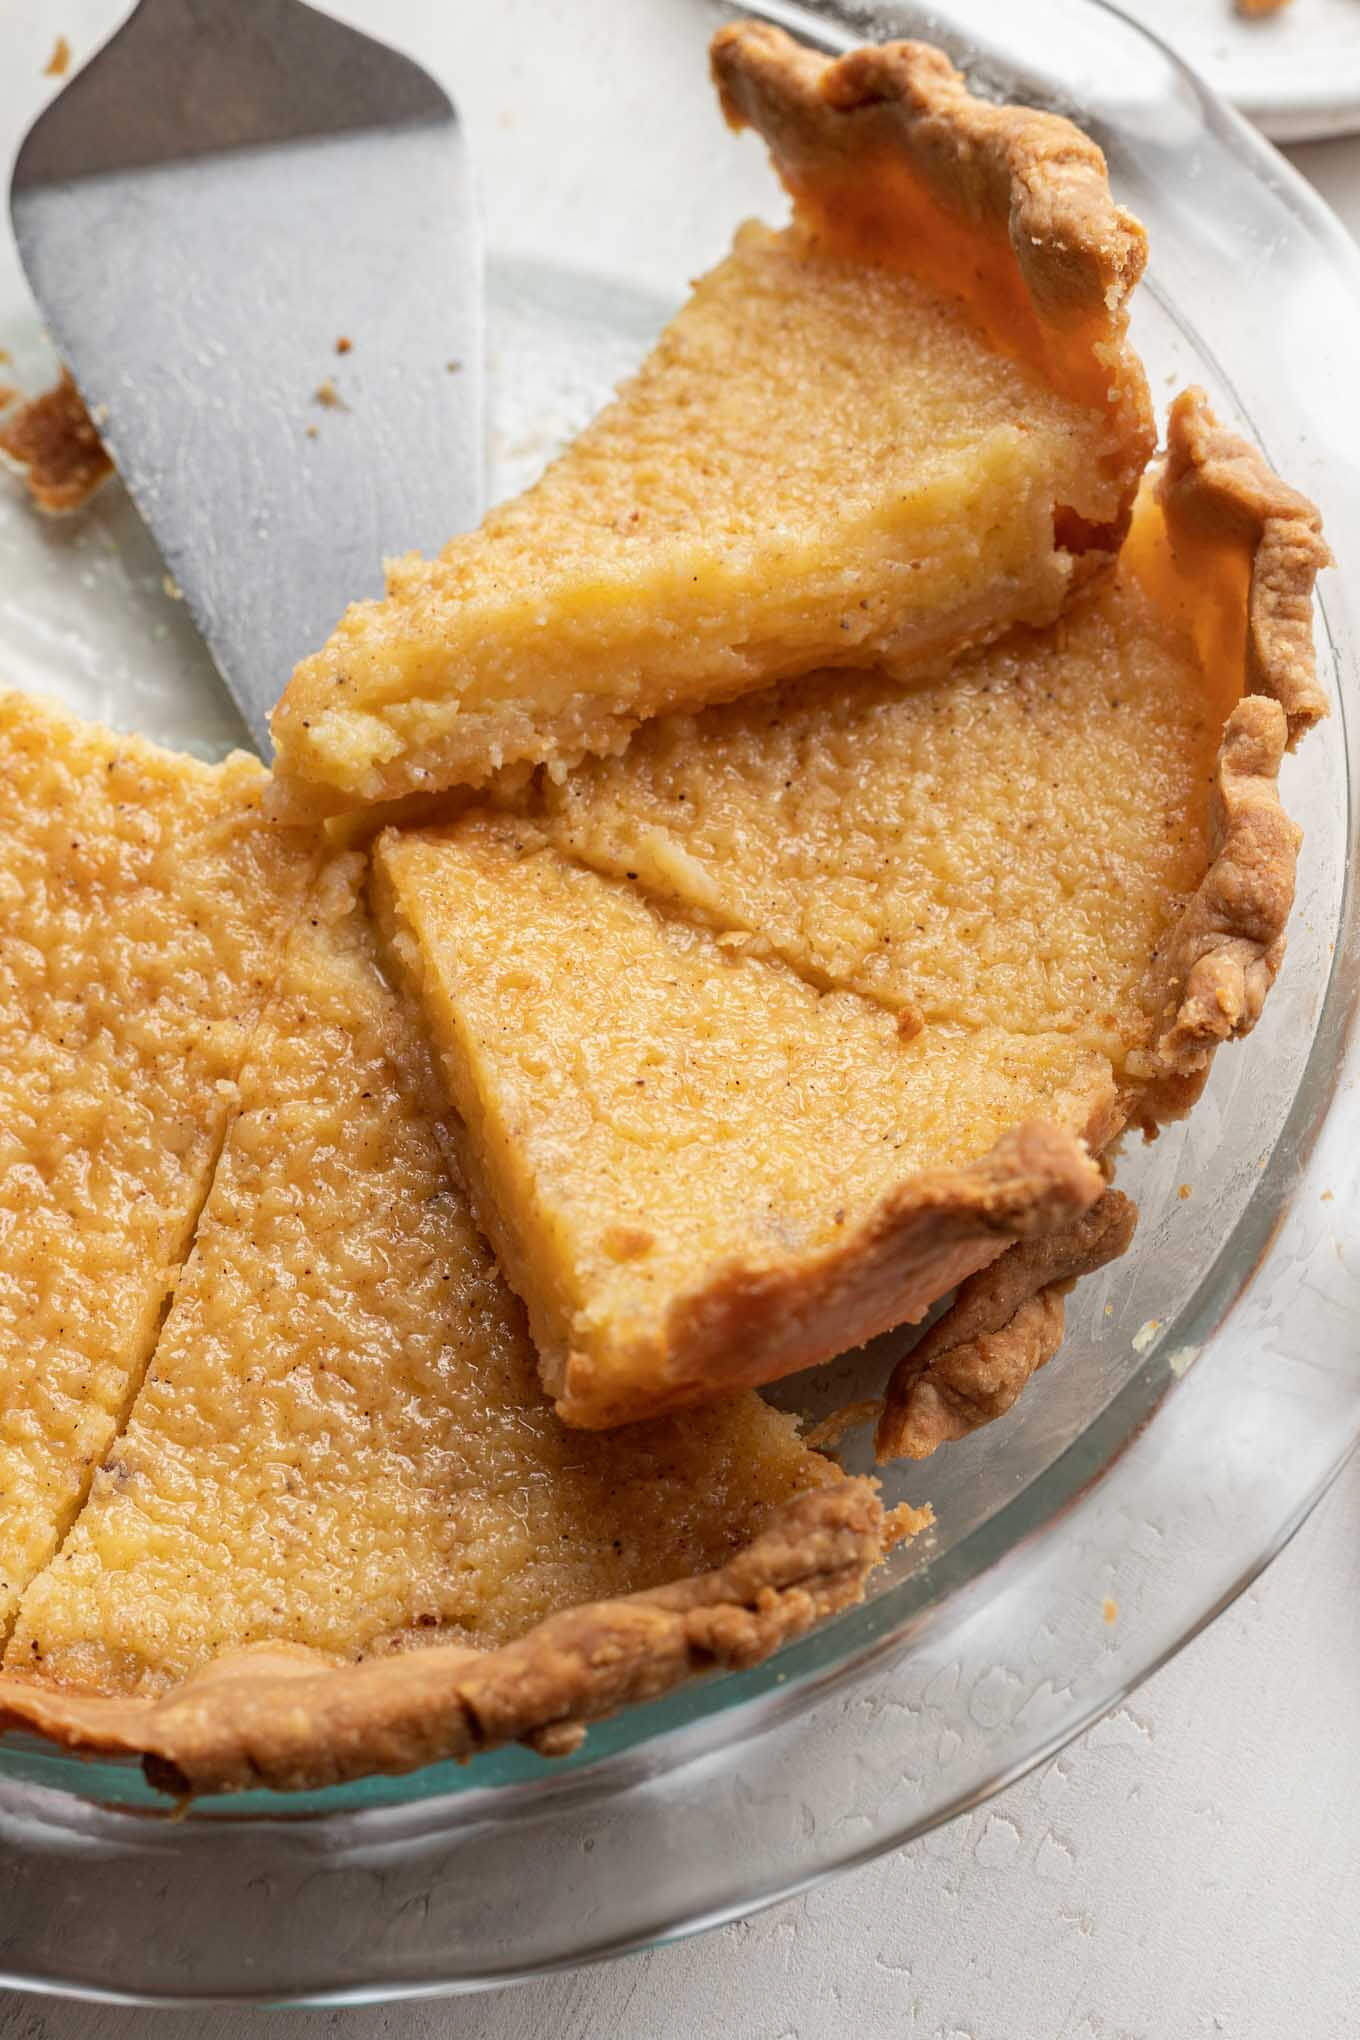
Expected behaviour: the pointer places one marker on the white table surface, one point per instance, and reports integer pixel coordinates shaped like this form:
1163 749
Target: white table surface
1189 1867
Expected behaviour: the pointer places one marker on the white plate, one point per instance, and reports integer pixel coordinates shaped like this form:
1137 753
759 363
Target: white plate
1296 73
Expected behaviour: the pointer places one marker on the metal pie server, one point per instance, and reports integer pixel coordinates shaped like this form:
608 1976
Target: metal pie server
251 234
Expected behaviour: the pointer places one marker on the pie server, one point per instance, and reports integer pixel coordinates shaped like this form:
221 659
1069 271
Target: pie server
221 199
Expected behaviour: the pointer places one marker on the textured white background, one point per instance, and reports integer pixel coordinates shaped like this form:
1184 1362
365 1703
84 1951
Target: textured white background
1190 1867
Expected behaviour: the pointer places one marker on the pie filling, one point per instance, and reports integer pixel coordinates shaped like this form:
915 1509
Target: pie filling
142 901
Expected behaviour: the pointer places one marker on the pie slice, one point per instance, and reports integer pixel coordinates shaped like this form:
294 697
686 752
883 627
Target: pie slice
695 1168
890 430
142 902
846 933
341 1452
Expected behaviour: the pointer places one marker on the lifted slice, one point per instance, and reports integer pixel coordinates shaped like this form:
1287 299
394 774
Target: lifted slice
889 431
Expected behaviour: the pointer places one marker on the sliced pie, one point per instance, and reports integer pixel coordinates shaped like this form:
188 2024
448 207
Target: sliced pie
341 1452
888 431
846 937
142 902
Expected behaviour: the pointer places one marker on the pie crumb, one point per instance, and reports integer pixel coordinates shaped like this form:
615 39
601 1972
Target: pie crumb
343 344
904 1522
329 396
59 61
1110 1609
827 1435
52 442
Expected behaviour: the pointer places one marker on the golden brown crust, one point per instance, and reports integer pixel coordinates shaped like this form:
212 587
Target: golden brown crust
1225 950
755 1325
278 1715
1247 549
1003 1325
885 149
1217 490
51 441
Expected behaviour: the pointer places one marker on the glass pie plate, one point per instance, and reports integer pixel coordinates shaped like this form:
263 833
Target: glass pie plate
1210 1383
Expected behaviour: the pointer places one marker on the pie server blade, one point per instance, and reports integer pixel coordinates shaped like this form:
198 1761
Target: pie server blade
219 198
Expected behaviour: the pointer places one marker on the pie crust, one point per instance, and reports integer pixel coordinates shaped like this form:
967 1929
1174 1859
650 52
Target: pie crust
280 1716
1244 551
1002 1326
50 440
886 149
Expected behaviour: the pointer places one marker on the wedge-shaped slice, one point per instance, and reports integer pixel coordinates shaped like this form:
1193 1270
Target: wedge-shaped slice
1013 845
888 431
142 900
342 1444
696 1169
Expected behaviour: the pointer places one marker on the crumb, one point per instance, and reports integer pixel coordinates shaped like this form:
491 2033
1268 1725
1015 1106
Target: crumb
172 588
1110 1609
53 444
8 393
827 1435
4 354
343 344
1327 1196
328 395
312 432
1145 1334
1183 1192
59 61
452 367
904 1522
